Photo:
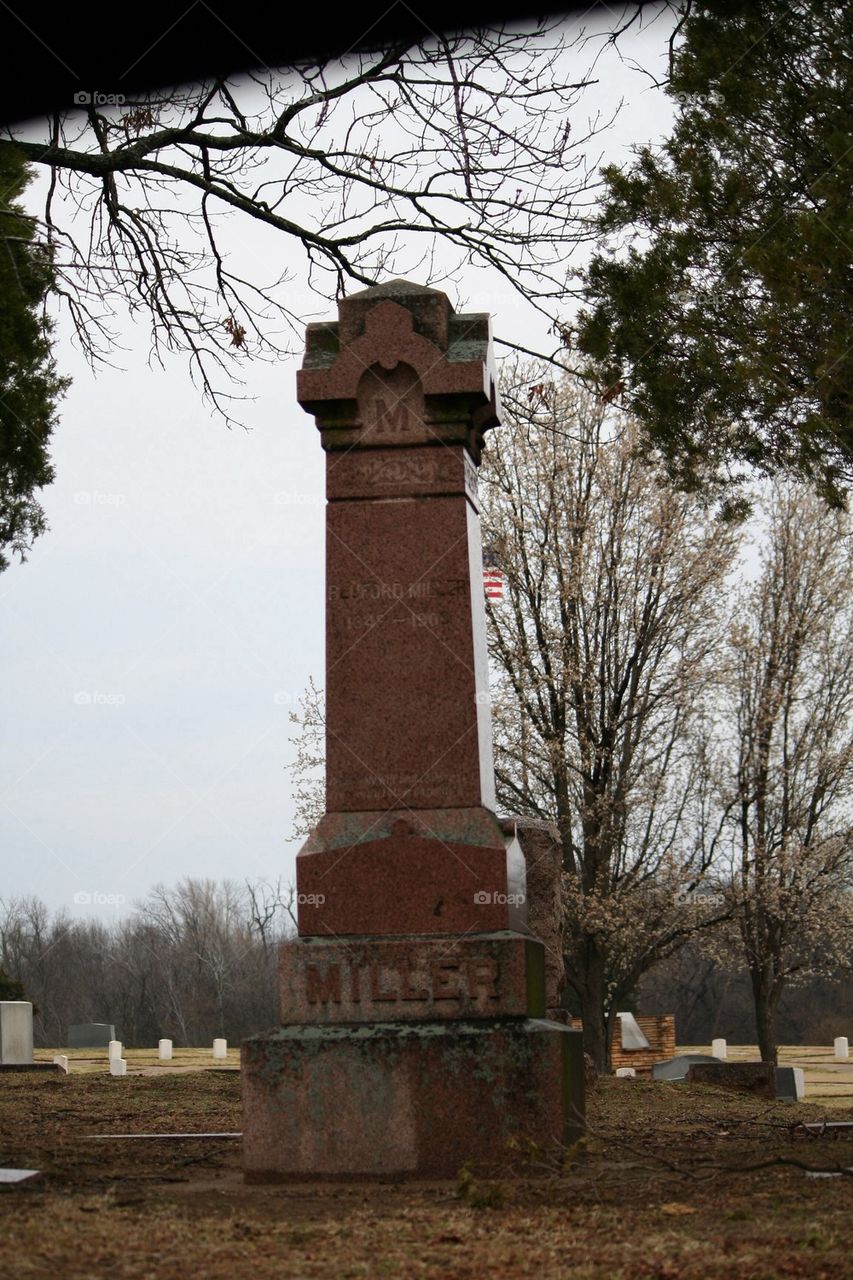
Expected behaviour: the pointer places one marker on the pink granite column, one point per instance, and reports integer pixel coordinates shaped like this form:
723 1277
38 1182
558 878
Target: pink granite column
413 972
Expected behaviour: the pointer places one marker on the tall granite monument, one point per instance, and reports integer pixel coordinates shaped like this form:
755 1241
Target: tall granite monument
413 1036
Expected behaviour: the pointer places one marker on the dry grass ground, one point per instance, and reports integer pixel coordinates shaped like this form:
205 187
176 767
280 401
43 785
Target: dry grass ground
827 1081
666 1187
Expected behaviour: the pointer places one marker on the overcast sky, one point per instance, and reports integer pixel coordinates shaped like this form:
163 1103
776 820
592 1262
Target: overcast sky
154 642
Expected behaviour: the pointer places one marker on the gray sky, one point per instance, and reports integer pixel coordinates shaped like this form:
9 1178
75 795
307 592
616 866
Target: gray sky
160 632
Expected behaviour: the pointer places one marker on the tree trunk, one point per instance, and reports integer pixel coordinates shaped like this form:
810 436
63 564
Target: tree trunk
591 993
766 1001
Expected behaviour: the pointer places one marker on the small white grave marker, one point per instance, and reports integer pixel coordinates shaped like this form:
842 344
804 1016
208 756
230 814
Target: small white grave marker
220 1048
719 1050
842 1049
114 1050
164 1050
800 1083
625 1073
118 1067
61 1060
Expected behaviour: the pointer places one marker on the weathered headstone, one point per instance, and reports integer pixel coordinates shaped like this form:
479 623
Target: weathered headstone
16 1032
790 1084
118 1066
91 1035
413 1037
842 1049
678 1067
164 1050
632 1035
756 1078
114 1050
719 1049
220 1048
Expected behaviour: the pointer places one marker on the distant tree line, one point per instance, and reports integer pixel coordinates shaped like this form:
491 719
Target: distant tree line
710 999
191 962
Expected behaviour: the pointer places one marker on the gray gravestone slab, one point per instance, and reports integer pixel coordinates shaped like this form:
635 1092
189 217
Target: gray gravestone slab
632 1036
91 1035
789 1084
17 1175
677 1068
16 1032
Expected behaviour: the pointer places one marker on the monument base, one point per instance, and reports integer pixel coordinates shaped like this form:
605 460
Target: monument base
408 1100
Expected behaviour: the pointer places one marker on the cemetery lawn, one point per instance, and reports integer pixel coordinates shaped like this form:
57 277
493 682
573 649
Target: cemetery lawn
665 1187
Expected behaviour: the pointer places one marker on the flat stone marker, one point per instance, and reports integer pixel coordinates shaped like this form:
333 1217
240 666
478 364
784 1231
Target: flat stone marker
91 1035
18 1175
16 1033
412 1038
756 1078
677 1068
626 1073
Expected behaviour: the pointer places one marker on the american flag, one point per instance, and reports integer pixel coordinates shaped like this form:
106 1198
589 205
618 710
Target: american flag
493 577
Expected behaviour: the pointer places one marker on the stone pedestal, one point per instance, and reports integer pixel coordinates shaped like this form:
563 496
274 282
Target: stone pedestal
408 1099
413 1037
16 1033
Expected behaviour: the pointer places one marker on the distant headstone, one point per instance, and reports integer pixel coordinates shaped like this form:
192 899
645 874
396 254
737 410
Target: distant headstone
91 1035
625 1073
632 1036
719 1049
118 1067
677 1068
115 1050
220 1048
755 1078
164 1050
842 1049
61 1060
790 1084
16 1032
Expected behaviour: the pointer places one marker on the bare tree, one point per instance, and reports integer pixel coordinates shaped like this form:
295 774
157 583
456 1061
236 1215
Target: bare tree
419 157
786 753
192 961
605 651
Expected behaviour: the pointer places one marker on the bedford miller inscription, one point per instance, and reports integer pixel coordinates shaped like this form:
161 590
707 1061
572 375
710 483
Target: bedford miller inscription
413 1034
